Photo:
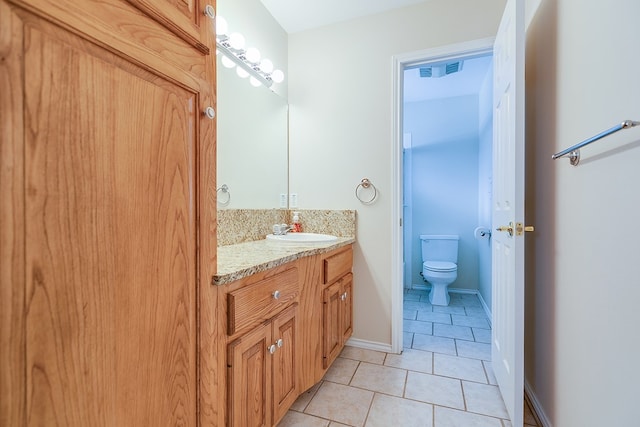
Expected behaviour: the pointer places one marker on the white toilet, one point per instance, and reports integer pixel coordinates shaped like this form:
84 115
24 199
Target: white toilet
439 265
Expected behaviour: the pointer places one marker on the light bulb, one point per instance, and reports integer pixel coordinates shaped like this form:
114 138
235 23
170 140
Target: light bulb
253 55
254 82
242 73
221 26
277 76
227 62
236 40
266 65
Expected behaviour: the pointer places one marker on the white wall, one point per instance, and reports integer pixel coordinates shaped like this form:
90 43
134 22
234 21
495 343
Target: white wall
340 130
583 269
445 178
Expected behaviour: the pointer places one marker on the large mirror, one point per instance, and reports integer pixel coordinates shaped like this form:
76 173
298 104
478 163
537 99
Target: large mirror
252 127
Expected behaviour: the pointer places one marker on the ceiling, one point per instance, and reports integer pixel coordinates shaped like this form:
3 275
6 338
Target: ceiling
468 81
300 15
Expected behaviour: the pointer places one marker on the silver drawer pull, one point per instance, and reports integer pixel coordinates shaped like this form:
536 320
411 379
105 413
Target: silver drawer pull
272 348
209 11
279 343
343 296
210 113
276 295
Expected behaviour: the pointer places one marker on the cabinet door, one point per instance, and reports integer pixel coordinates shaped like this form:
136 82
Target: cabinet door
250 379
346 300
285 362
332 334
114 172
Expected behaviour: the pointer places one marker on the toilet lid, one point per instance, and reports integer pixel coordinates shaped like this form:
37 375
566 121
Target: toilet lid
442 266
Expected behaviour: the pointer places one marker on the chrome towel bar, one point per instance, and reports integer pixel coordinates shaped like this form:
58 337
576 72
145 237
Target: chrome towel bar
574 151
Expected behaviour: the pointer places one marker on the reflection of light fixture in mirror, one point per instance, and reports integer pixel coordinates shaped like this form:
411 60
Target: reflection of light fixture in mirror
248 60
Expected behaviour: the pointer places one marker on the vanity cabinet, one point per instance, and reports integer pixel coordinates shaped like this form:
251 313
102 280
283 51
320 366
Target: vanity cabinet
337 300
279 332
263 350
262 366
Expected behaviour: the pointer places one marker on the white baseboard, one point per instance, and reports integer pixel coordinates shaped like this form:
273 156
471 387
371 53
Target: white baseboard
369 345
536 407
486 309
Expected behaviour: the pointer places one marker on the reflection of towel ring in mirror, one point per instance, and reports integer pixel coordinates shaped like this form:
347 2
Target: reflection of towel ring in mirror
365 183
225 190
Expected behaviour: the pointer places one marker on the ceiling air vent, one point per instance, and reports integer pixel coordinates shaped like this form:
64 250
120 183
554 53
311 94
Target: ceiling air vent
441 70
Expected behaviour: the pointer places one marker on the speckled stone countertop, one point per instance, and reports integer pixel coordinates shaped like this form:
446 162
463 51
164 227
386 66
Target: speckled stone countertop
244 259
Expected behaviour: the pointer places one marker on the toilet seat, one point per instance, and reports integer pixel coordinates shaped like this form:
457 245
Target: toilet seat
440 266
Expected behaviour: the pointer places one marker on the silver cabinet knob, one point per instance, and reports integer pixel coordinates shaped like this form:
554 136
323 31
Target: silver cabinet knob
210 11
210 113
276 295
272 348
279 343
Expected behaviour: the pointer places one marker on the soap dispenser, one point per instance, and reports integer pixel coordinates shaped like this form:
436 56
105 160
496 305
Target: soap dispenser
297 226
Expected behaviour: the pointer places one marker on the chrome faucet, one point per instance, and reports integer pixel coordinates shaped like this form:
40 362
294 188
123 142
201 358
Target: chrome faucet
281 229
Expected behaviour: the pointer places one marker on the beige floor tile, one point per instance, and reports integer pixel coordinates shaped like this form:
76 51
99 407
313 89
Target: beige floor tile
344 404
413 360
303 400
363 355
297 419
446 417
382 379
459 367
484 399
335 424
488 368
434 344
452 331
417 326
389 411
471 321
482 335
430 316
434 389
342 370
473 350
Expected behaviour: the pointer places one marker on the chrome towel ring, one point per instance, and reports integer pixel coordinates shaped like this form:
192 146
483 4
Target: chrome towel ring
224 188
366 184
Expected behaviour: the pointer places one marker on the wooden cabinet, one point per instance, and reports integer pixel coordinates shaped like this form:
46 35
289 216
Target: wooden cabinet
108 213
263 361
337 318
312 312
337 312
262 367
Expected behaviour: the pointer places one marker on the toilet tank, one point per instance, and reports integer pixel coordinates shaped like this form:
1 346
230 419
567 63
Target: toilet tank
436 247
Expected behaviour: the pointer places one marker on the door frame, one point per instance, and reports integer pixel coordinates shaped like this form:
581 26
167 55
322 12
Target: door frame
400 62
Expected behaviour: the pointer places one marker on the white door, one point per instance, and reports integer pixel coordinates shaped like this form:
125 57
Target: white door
508 209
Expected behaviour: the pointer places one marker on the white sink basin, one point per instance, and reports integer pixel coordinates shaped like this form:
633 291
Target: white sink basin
303 238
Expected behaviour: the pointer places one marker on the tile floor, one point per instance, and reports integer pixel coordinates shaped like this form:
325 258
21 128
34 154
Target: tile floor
442 379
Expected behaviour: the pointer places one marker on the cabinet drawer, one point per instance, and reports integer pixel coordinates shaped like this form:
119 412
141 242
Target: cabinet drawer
259 301
337 265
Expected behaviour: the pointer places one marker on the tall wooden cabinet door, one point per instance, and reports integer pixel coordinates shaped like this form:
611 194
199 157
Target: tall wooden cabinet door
117 229
285 361
249 378
347 307
332 334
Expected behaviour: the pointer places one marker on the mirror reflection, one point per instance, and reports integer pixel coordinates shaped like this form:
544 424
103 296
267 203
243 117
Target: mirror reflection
252 143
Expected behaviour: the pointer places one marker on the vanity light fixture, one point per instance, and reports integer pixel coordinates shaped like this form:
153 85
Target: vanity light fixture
247 61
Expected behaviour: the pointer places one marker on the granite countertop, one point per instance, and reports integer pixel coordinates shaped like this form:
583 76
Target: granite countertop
244 259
